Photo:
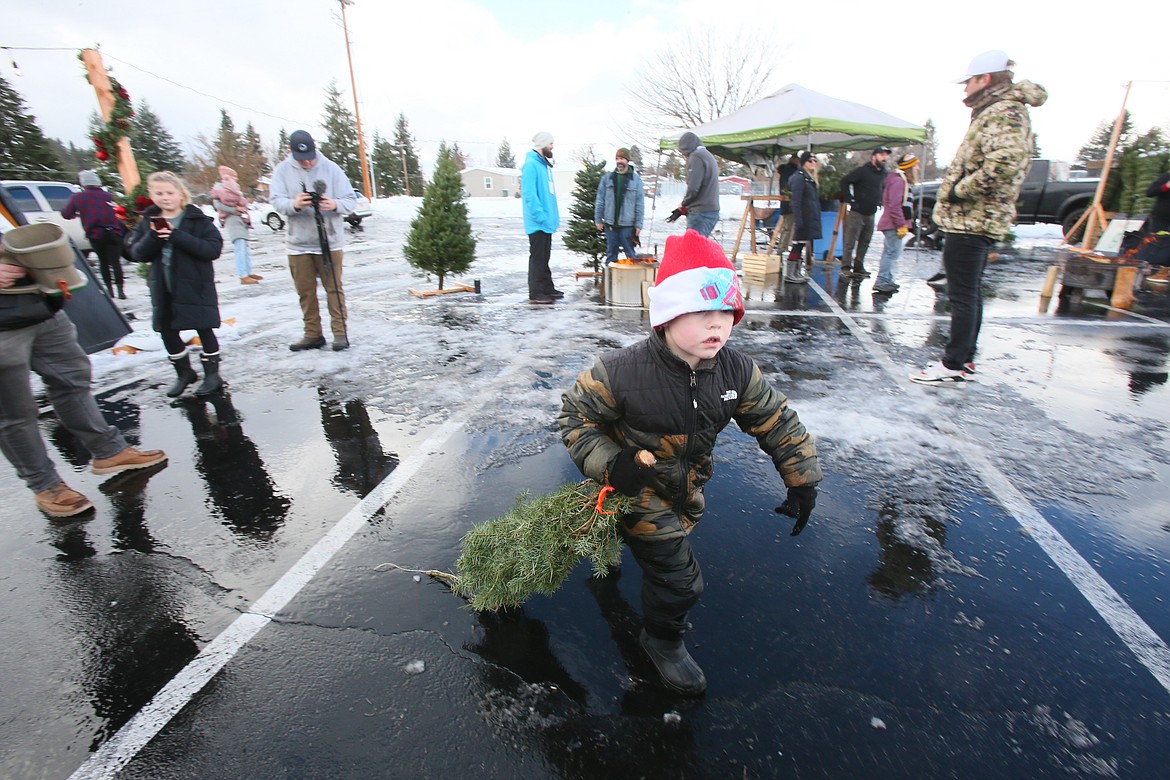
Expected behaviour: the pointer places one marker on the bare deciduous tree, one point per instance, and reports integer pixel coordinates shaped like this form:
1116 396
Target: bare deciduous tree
704 77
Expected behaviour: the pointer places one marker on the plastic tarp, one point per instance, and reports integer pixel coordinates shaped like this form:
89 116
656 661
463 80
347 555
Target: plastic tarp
794 119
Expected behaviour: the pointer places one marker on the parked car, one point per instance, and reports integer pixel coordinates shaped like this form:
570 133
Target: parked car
42 201
364 209
264 214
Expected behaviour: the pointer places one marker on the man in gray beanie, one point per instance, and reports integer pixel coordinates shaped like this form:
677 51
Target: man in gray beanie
700 204
95 207
538 195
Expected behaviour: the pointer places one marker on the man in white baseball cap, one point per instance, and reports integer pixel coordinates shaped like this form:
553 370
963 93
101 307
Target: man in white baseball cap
977 200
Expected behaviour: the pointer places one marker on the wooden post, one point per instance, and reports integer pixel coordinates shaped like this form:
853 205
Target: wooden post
1123 282
836 229
747 214
127 167
1096 215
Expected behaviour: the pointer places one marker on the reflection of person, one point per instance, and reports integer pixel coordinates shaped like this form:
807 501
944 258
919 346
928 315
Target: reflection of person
701 200
671 394
229 462
538 196
1160 213
862 190
36 336
618 208
307 171
977 200
895 221
806 216
181 242
361 463
232 207
95 207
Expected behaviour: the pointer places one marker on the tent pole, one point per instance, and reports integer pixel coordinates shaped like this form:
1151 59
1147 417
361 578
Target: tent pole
654 200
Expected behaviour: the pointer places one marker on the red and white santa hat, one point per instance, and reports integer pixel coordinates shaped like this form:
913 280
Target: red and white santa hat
694 275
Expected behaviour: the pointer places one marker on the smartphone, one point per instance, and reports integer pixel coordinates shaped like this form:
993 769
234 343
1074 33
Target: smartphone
159 223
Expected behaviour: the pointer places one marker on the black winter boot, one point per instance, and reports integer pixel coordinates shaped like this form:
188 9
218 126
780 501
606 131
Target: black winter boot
211 381
674 664
184 373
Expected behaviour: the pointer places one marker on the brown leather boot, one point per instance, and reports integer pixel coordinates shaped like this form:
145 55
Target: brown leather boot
62 501
126 460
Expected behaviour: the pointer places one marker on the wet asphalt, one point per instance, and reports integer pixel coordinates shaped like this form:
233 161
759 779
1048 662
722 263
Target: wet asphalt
981 591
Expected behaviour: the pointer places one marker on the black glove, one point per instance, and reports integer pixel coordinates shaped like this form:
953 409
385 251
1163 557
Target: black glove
674 215
627 476
799 504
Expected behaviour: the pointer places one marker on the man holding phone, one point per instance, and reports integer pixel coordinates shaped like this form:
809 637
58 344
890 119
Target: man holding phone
307 184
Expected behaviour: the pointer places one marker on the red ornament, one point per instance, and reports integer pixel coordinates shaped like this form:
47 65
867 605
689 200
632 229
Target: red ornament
102 156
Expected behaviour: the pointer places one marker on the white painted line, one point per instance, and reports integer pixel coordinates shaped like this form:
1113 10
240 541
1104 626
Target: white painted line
1137 635
121 748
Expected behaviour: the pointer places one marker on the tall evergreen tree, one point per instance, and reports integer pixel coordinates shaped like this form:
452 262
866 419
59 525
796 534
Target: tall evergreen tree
341 132
930 166
25 152
636 157
581 233
440 240
1098 146
155 149
74 159
504 156
459 156
404 146
227 141
387 168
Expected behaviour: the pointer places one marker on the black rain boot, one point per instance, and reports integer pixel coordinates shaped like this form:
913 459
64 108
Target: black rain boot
674 664
185 375
211 381
121 293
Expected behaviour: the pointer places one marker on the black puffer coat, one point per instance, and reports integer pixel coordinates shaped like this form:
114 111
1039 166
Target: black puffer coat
190 302
806 207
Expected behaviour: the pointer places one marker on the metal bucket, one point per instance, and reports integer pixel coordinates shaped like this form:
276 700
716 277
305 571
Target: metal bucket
624 283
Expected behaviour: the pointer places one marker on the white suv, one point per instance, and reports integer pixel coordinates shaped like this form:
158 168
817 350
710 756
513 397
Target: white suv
42 201
362 210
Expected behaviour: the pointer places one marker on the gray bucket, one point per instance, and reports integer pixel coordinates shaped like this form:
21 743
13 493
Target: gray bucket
45 252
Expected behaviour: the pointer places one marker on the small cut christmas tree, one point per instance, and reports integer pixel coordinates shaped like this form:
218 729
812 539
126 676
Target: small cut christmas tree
581 234
440 241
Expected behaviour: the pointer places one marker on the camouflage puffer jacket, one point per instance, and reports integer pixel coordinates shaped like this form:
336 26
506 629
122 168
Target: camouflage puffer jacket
643 396
978 194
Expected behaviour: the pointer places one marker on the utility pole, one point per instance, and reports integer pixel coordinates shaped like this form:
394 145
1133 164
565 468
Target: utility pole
127 167
356 111
405 177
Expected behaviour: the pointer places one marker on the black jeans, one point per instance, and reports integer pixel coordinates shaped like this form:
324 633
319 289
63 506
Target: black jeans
540 283
964 258
108 248
671 583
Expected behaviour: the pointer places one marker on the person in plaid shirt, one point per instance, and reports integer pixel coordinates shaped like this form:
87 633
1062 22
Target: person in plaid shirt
95 207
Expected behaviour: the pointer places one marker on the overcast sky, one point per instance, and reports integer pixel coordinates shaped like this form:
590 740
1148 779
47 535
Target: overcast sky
478 71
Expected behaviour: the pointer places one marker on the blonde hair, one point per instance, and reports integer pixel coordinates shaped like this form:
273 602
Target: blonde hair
166 177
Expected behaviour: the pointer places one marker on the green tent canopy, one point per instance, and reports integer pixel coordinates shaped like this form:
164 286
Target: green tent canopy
794 119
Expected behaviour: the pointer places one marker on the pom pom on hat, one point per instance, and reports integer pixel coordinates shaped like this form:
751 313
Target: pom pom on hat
694 275
907 161
542 139
227 173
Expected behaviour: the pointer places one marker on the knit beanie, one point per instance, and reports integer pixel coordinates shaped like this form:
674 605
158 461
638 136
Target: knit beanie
694 275
688 142
227 173
89 179
541 140
907 161
623 153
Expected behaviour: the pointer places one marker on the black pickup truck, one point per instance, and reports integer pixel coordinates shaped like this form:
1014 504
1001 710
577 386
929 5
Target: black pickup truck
1047 196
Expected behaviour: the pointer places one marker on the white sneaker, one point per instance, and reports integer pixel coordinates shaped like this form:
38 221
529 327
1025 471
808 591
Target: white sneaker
938 374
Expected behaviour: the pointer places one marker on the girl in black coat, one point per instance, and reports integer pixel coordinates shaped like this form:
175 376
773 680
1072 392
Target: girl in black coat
806 216
181 242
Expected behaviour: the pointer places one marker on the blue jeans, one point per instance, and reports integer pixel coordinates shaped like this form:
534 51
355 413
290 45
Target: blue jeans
50 348
619 238
891 251
243 258
702 222
964 258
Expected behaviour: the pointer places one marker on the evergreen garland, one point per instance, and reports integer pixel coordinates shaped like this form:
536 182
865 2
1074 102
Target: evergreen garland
532 549
581 234
117 127
440 241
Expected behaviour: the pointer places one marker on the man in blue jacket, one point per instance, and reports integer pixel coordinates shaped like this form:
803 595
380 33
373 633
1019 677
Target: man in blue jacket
538 194
618 209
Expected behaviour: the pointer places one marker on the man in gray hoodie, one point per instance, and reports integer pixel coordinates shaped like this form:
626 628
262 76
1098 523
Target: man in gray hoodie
304 176
701 201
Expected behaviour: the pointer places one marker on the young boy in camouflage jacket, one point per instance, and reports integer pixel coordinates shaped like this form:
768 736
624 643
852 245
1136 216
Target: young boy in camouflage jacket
671 395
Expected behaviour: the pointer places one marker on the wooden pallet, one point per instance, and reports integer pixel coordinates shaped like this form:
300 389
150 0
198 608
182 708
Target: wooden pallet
453 289
761 265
